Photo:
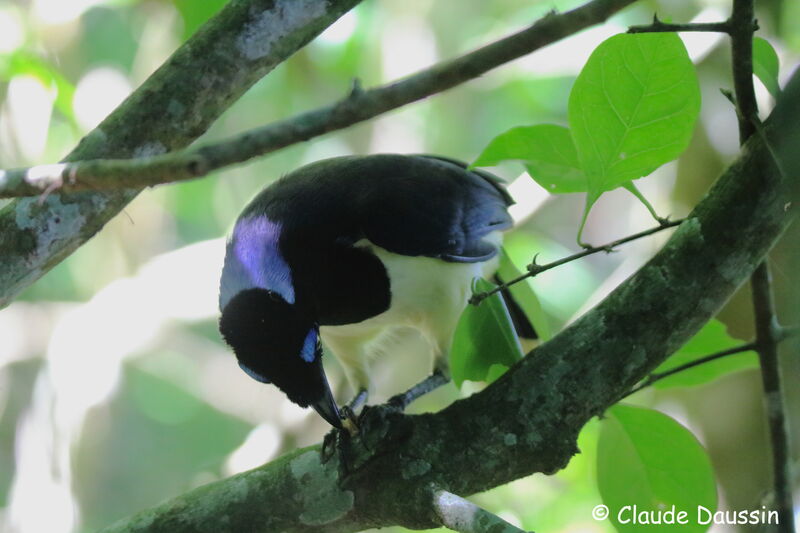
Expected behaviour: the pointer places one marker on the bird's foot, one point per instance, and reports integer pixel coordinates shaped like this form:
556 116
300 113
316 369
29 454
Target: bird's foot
432 382
329 445
338 442
352 411
340 438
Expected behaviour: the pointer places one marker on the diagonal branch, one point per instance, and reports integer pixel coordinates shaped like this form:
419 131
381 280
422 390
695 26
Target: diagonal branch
528 420
245 41
358 106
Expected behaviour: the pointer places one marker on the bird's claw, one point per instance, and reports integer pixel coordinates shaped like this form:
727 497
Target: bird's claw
350 419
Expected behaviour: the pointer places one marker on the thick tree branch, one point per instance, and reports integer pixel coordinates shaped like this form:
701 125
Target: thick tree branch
528 420
358 106
247 39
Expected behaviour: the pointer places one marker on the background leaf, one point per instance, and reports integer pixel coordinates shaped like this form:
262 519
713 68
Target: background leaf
647 459
711 339
766 65
484 338
633 107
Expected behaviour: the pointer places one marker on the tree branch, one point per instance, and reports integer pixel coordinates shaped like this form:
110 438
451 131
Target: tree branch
246 40
358 106
742 27
528 420
462 515
535 269
766 329
657 27
658 376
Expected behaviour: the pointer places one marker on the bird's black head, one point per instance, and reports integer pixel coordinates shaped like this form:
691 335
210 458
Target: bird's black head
277 344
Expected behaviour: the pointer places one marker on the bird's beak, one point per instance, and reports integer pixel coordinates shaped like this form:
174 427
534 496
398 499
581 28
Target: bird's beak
326 407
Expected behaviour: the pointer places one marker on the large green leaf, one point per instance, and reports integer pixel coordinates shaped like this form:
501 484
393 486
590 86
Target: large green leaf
632 108
711 339
546 150
484 338
766 65
647 459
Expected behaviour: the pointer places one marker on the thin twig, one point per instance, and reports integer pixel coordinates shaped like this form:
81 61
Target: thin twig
535 269
658 26
463 516
359 105
766 330
742 28
658 376
782 333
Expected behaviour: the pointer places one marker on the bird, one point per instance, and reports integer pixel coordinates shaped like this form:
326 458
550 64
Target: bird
346 250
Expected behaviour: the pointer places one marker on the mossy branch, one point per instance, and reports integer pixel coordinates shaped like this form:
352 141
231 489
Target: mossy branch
246 40
358 106
528 420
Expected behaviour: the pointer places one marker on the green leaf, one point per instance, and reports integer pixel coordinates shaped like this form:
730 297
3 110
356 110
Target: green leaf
525 297
546 150
766 65
647 459
632 108
484 337
711 339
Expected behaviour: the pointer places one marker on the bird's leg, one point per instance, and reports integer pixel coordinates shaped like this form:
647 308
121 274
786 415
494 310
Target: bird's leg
432 382
358 401
440 333
330 444
351 411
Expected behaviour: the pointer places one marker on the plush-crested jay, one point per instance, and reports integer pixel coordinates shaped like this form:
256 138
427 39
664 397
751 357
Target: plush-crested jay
345 250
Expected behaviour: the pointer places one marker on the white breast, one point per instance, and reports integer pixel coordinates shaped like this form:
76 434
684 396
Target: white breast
427 294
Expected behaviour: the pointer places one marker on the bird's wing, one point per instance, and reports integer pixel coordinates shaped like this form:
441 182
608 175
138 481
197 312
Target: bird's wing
436 207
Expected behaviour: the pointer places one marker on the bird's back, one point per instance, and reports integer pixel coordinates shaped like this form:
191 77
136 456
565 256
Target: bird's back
410 205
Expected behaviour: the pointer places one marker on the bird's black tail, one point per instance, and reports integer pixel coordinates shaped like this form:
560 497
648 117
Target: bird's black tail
522 324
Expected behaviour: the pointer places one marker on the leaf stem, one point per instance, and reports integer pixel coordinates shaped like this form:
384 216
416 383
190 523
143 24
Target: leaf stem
631 188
